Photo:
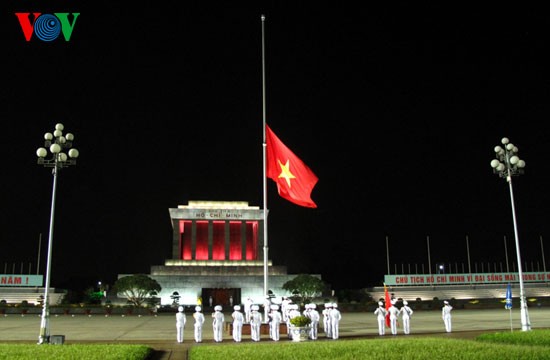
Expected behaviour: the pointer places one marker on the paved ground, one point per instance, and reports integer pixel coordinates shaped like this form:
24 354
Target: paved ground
159 332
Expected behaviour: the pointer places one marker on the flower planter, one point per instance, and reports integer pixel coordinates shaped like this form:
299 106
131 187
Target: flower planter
300 333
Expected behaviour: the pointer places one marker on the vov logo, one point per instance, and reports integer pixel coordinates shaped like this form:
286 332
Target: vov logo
47 27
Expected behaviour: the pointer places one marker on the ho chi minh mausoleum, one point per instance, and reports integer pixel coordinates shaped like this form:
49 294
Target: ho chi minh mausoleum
217 251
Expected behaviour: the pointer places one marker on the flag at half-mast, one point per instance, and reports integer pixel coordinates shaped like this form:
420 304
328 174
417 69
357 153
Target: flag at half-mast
295 180
387 300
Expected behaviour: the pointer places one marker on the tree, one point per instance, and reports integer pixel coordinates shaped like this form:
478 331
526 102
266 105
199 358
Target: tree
305 286
137 288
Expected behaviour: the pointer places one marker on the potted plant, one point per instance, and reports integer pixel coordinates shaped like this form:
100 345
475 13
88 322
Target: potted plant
300 321
300 327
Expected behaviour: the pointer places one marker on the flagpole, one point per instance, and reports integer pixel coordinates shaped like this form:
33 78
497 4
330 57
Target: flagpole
264 145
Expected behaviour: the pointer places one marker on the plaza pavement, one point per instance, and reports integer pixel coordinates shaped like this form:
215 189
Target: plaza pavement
159 332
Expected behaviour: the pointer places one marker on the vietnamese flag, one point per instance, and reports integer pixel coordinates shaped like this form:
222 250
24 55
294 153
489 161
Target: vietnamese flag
294 179
387 300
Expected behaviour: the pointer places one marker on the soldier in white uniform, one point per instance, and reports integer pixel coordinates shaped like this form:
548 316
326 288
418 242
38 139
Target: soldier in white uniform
275 322
199 321
180 324
406 313
314 316
247 308
380 313
267 308
238 320
307 313
284 307
446 315
335 318
217 323
394 312
255 323
326 320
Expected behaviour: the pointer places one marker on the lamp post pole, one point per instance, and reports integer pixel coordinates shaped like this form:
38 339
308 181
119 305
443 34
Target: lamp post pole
506 165
58 159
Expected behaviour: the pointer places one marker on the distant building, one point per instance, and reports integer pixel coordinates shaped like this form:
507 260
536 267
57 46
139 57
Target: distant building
217 250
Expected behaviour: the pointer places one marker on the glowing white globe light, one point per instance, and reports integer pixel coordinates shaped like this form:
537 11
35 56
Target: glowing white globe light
41 152
55 148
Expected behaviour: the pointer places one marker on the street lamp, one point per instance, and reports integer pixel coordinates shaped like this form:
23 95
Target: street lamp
506 165
57 160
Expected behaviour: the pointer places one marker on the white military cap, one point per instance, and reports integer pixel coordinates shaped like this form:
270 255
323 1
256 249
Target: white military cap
393 302
197 308
217 308
274 307
180 309
237 307
334 305
380 303
445 302
405 302
313 306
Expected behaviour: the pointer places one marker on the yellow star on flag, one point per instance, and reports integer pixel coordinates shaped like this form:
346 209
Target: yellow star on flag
285 172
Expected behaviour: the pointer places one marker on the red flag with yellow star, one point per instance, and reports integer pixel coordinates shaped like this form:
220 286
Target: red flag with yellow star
294 179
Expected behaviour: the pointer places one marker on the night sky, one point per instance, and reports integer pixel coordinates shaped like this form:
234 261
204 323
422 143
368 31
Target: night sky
396 109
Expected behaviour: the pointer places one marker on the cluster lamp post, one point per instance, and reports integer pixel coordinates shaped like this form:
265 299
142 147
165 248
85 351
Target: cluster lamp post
506 165
57 144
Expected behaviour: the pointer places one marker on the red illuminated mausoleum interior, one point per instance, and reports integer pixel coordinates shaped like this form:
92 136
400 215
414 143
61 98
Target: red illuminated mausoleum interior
235 237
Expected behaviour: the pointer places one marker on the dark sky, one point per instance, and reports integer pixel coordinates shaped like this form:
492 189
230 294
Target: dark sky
396 109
